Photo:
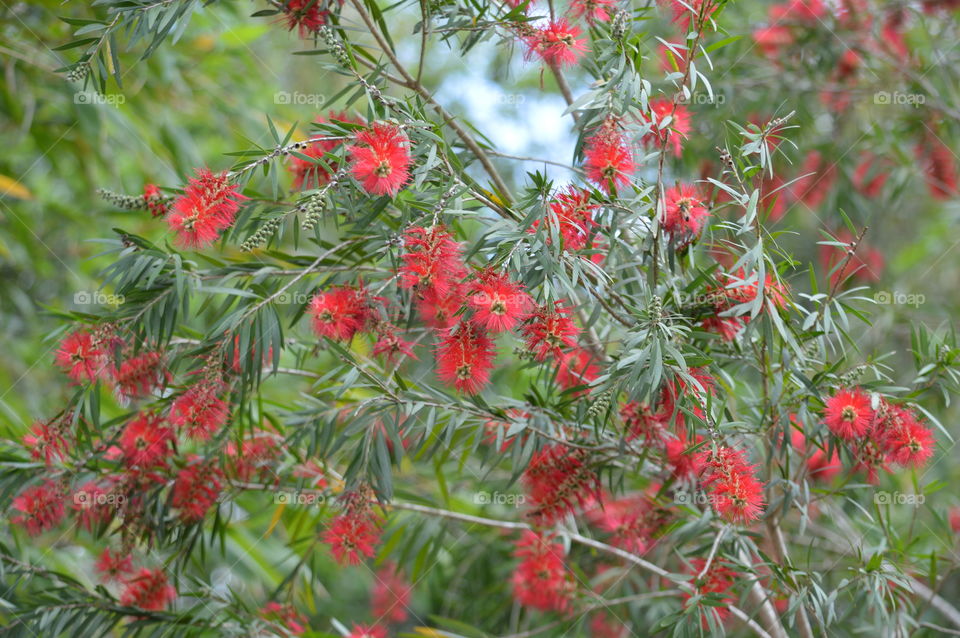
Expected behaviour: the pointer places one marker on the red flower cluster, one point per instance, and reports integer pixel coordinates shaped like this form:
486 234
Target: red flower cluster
196 489
556 43
498 304
550 332
148 589
154 200
83 357
608 157
199 411
670 124
47 441
306 16
878 437
114 566
738 291
146 442
557 480
632 522
592 10
684 212
465 357
572 217
381 159
341 312
208 205
390 597
540 579
716 584
355 533
735 493
40 507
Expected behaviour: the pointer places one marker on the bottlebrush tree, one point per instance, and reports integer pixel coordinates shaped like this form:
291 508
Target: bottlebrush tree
633 391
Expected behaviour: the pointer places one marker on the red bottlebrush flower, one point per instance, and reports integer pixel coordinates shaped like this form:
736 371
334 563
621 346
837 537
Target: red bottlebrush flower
549 331
254 457
40 507
572 217
679 387
905 440
390 344
640 422
540 579
735 493
557 480
954 517
771 40
871 458
740 288
727 327
367 631
149 590
286 616
892 38
715 584
938 166
680 456
93 505
498 304
146 441
306 16
81 357
352 536
670 125
465 358
684 211
390 596
848 413
208 205
631 521
140 375
440 311
381 159
592 10
432 260
608 159
556 43
870 175
155 201
196 489
114 566
340 312
199 411
47 441
577 368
